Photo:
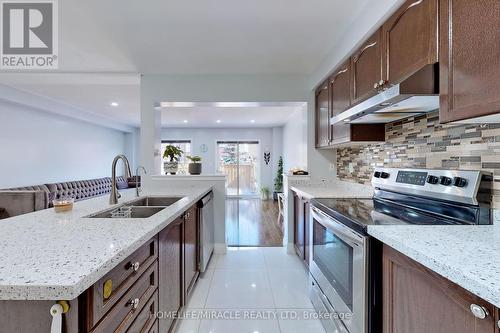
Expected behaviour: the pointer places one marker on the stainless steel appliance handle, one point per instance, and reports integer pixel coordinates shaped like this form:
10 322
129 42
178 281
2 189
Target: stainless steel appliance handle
339 229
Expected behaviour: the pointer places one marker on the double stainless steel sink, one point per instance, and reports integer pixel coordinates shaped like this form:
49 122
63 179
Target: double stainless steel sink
140 208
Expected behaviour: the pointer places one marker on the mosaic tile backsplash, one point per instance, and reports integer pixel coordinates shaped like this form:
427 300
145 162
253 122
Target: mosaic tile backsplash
421 142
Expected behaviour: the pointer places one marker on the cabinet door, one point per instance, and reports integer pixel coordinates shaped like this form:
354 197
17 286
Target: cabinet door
366 68
469 59
410 39
307 232
340 91
190 250
299 226
418 300
322 117
170 271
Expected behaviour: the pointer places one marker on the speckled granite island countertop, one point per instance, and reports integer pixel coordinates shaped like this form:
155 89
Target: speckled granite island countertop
334 189
49 256
466 255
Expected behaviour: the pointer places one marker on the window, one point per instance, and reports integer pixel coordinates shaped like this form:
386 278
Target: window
185 146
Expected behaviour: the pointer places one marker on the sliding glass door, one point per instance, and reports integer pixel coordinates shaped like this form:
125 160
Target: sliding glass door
238 160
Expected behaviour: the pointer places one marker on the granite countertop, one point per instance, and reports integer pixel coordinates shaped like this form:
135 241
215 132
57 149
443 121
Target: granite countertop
335 189
57 256
466 255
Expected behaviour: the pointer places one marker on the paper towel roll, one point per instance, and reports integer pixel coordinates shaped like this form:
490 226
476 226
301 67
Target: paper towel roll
56 311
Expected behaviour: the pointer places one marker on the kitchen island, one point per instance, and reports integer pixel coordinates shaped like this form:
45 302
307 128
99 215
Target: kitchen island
48 257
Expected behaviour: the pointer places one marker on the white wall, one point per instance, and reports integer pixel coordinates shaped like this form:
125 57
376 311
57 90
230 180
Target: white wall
210 136
208 88
37 147
295 141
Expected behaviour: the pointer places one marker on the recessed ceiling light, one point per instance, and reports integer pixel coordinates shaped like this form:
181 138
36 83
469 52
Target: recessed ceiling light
218 121
252 121
114 104
184 121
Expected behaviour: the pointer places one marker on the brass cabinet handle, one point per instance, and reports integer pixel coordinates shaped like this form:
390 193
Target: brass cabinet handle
107 288
479 311
134 302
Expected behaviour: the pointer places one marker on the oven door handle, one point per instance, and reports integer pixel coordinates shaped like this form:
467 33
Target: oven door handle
348 235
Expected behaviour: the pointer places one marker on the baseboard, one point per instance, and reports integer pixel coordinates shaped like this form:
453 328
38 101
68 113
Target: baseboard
220 248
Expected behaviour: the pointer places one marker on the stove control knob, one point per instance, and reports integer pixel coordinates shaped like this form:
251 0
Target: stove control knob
384 175
376 174
459 182
432 179
446 181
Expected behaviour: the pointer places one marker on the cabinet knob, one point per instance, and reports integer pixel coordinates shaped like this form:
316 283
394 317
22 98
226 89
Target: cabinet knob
135 266
134 302
478 311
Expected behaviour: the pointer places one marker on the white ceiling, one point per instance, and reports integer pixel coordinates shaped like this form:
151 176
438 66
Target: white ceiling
106 45
223 117
201 37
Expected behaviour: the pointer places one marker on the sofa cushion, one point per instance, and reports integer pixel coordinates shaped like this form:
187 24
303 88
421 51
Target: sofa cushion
79 190
16 203
83 189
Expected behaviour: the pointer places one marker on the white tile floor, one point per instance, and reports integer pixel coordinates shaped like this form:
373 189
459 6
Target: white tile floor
266 283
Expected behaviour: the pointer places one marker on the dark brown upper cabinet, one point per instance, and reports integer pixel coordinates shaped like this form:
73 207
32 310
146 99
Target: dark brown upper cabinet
410 39
469 54
366 68
323 116
340 91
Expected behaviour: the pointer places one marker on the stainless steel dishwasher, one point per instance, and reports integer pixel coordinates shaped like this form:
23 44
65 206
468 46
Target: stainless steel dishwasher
206 230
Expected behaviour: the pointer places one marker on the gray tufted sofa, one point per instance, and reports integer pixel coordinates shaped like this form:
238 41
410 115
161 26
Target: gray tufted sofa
21 200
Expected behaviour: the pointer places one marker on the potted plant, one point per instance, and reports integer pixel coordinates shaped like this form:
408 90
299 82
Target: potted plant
265 193
194 167
278 181
171 154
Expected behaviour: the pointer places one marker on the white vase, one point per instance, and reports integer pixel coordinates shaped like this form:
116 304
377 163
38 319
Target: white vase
171 168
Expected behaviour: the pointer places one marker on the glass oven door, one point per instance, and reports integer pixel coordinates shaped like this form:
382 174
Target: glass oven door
334 258
339 265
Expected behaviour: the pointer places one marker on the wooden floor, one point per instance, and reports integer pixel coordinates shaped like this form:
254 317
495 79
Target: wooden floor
252 222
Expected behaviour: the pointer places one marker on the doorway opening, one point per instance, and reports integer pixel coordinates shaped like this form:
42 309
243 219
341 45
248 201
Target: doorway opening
239 161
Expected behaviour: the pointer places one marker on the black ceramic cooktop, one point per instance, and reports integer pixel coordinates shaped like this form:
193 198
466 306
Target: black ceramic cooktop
360 213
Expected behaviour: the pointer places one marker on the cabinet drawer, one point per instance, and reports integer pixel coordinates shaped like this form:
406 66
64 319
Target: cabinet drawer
110 288
128 308
146 320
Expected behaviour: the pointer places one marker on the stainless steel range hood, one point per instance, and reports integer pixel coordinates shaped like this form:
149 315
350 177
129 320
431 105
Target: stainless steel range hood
416 95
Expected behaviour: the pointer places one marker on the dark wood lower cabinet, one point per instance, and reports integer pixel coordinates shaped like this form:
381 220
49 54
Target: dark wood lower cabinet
307 232
418 300
170 269
299 235
191 267
301 227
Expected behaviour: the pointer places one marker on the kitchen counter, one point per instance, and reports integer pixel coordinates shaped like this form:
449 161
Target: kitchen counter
466 255
56 256
335 189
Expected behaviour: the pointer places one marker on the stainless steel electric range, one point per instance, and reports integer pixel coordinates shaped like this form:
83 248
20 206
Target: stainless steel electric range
344 265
